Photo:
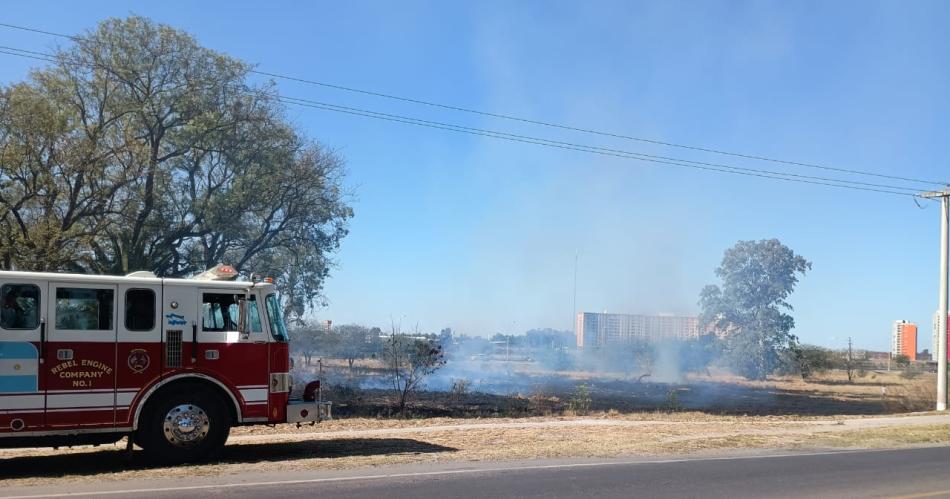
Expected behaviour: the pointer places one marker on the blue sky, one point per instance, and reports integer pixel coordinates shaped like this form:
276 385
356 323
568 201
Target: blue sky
480 234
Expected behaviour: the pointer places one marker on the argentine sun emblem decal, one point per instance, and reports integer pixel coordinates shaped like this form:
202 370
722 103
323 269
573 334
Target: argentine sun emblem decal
138 360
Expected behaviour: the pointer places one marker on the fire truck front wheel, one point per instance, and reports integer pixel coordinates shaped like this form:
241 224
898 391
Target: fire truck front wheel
186 425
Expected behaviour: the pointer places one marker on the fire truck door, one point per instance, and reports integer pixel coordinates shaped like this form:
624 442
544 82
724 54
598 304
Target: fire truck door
22 401
139 345
80 369
229 353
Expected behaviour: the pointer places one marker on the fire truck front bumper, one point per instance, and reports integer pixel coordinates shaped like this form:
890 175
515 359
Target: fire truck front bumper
301 411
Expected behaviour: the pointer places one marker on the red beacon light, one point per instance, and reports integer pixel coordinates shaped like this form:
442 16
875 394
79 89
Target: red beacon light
220 272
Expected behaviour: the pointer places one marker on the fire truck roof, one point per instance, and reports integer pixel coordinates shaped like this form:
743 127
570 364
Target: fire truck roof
130 279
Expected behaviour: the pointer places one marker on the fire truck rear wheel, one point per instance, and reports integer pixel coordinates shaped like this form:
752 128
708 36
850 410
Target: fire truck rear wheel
185 426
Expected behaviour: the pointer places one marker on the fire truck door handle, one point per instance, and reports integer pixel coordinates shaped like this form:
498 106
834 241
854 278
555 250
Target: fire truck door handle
194 342
42 341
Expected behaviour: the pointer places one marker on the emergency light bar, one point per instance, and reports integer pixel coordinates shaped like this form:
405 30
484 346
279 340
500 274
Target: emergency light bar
220 272
255 278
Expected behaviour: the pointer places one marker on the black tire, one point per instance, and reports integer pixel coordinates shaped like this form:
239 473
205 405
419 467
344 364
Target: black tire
183 413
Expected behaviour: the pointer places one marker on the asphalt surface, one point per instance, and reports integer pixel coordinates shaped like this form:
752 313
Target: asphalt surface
923 472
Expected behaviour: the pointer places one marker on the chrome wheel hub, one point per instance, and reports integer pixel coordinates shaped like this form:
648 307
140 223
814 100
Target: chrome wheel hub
186 425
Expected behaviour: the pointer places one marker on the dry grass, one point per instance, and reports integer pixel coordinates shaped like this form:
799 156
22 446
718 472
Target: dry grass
887 437
323 451
360 443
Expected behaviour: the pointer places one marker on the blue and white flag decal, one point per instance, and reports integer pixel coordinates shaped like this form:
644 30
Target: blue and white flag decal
19 367
175 319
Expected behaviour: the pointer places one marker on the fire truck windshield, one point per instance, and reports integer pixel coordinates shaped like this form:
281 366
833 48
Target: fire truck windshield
277 328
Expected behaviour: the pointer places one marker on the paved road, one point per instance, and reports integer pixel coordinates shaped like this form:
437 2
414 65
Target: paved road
897 473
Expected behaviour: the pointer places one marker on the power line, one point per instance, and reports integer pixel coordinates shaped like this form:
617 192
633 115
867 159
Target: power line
596 148
545 123
27 53
35 30
678 161
577 147
662 160
598 132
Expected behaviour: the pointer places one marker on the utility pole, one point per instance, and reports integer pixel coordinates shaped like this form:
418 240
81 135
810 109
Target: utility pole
574 311
944 196
850 363
574 306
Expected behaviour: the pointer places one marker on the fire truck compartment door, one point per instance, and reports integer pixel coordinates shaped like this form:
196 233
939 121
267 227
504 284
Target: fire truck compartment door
80 368
139 345
22 386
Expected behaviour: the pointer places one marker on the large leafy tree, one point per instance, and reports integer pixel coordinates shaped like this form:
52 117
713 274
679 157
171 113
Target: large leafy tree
750 309
139 149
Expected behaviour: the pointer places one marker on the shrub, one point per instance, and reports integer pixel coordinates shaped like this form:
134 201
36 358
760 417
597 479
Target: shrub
460 388
581 400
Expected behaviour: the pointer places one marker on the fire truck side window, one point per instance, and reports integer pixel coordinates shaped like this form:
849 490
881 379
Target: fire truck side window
277 329
219 312
84 309
254 315
139 310
20 308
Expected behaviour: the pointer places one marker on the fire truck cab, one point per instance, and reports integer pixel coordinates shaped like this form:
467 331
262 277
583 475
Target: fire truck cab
171 363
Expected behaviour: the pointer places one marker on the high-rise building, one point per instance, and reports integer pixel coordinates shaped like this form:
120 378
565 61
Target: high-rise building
595 330
936 340
904 339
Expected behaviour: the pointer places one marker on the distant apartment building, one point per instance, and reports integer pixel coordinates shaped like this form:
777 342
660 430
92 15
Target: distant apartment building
904 339
595 330
935 345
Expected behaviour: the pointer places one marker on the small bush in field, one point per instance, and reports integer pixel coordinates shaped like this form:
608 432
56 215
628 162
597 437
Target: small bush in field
581 400
460 388
672 400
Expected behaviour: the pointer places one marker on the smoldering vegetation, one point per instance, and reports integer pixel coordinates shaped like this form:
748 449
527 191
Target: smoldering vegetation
542 373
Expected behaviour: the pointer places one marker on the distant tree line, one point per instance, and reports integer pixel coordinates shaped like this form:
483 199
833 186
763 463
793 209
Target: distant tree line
350 342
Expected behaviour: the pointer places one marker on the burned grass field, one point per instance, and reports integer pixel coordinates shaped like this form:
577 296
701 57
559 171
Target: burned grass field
519 390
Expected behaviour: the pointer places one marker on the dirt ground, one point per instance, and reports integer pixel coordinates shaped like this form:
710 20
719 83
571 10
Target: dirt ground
824 413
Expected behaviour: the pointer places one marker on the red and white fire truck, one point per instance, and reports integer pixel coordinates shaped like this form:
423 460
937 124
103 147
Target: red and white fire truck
171 363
